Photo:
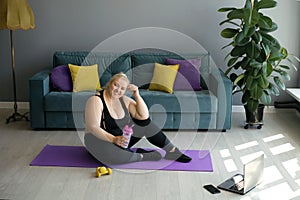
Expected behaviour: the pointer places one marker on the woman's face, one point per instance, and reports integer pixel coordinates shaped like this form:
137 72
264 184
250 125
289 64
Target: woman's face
118 88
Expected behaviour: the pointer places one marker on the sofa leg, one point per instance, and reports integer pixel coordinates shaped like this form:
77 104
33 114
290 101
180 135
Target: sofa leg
223 130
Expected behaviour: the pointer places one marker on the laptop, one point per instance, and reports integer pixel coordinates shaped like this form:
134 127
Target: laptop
243 183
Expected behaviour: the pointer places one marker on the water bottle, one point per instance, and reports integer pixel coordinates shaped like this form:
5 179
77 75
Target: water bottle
127 132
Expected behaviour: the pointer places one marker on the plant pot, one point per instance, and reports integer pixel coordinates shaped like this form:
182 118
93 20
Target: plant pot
256 116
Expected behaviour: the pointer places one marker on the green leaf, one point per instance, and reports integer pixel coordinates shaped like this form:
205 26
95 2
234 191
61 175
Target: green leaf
229 32
285 75
270 40
229 21
226 9
246 96
275 55
240 77
265 4
266 98
274 27
236 14
256 92
228 70
279 82
232 61
250 83
263 82
257 37
255 64
284 67
244 63
239 37
257 72
238 51
233 76
265 22
244 42
284 52
265 68
227 56
266 48
269 69
252 50
250 31
228 45
252 105
254 18
273 89
247 15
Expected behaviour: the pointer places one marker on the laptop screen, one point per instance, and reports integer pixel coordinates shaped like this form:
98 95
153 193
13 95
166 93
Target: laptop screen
253 172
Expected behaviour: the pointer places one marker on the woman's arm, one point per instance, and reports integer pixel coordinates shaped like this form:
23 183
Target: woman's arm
93 113
138 108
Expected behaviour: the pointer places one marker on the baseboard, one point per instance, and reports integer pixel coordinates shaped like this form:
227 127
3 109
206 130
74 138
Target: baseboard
21 105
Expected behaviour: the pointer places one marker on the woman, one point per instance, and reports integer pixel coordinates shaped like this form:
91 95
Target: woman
109 111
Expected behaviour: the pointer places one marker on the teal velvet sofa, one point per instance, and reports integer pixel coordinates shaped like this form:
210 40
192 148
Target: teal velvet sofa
207 109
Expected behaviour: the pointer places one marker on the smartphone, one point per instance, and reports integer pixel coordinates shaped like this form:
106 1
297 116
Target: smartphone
212 189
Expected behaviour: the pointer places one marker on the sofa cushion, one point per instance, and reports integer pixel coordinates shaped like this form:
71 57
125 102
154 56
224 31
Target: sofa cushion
85 78
66 101
188 76
163 77
60 78
142 75
108 63
180 101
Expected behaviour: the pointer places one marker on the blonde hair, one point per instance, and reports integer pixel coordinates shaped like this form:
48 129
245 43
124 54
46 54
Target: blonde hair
116 77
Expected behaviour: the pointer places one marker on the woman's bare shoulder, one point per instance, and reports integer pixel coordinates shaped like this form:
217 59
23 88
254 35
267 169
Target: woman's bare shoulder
95 98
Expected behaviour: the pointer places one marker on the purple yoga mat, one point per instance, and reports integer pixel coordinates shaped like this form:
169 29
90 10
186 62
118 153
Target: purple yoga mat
78 156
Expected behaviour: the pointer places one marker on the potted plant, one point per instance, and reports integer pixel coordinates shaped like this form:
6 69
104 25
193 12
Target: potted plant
255 62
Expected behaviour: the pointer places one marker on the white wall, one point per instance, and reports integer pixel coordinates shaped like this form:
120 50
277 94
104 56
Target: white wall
74 25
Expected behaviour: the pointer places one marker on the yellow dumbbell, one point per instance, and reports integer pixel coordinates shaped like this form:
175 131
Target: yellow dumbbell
103 171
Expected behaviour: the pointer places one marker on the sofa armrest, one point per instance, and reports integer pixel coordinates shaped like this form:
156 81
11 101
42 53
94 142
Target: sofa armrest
39 86
221 86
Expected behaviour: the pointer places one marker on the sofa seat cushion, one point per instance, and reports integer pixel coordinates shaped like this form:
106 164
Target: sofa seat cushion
180 101
186 121
66 101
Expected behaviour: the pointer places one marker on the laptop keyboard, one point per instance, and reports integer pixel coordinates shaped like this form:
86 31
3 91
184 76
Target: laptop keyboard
239 185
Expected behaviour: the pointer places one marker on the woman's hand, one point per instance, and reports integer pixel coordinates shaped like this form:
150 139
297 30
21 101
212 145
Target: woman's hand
120 141
133 88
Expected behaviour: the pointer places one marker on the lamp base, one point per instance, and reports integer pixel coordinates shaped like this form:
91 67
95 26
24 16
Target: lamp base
17 117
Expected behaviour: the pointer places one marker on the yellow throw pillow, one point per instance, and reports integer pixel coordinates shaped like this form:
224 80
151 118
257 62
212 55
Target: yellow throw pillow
163 77
84 77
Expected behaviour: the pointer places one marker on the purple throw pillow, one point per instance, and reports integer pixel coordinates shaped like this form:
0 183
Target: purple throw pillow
61 79
188 76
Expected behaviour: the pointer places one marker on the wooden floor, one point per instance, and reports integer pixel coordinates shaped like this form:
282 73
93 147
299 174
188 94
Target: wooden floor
279 139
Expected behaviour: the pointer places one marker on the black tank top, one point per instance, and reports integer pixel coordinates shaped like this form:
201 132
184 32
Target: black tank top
108 123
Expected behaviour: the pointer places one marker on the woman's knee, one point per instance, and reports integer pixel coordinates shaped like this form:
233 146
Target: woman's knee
108 153
143 122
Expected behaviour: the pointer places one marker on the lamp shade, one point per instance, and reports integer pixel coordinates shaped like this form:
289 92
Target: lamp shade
16 14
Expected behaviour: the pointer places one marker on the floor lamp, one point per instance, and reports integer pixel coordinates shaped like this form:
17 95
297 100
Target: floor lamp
14 15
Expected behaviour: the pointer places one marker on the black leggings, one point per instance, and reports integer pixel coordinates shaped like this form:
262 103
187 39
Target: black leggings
109 153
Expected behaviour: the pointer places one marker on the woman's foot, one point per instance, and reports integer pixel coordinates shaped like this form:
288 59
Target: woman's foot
175 154
149 155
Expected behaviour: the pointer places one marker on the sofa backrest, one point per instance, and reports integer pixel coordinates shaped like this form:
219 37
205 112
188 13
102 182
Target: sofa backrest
108 63
131 63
